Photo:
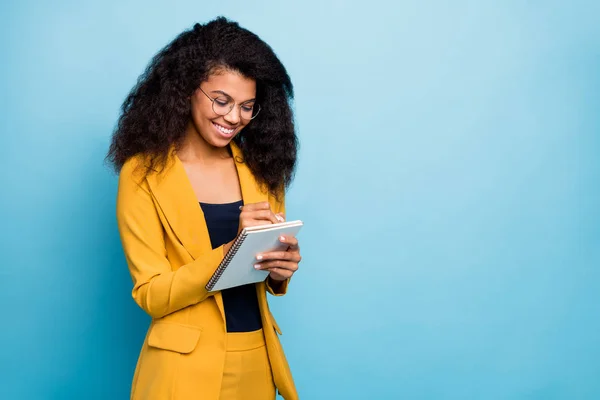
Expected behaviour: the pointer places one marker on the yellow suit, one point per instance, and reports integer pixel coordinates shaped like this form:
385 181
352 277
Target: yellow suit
170 258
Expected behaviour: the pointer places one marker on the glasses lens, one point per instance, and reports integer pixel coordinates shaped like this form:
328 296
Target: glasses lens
222 105
247 111
254 112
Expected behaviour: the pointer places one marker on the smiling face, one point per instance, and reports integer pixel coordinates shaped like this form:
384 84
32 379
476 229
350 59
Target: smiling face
214 129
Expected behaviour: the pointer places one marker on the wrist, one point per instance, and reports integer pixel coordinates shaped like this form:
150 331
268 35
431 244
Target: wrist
275 282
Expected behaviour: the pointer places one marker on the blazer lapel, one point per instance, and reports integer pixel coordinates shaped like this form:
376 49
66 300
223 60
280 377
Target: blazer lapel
176 197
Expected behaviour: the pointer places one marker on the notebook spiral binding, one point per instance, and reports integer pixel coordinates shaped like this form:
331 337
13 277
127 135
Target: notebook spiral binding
225 262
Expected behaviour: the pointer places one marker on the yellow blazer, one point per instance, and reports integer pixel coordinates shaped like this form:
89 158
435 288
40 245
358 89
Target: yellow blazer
170 258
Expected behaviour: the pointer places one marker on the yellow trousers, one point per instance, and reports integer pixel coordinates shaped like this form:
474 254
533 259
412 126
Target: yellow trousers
247 374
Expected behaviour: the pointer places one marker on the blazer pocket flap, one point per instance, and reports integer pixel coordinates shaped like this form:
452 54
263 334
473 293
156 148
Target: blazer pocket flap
174 337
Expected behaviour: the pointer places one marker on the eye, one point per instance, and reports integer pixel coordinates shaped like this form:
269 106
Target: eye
222 101
248 108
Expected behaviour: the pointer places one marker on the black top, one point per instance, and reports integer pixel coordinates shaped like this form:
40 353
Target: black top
241 303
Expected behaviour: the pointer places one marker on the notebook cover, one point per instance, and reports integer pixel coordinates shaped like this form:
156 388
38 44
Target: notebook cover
237 267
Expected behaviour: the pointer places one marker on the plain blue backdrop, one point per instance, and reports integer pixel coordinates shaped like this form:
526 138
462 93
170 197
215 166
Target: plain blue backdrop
449 179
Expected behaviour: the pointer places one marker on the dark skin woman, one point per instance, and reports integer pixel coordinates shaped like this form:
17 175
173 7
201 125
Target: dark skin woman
206 146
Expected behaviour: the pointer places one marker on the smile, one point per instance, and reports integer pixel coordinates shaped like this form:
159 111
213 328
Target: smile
223 129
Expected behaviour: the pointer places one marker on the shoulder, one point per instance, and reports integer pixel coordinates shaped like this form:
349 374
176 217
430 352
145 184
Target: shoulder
132 176
142 172
134 197
132 167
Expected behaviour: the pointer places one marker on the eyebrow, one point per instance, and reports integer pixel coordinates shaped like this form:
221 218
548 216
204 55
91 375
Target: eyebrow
225 94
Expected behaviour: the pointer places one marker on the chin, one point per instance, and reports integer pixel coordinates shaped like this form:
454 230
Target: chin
220 142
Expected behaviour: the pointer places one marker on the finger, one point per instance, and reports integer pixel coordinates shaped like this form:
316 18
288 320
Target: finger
261 215
280 217
290 241
255 222
279 255
283 265
264 205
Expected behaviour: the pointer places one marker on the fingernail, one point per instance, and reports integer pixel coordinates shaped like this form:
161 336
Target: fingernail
256 266
259 257
281 239
279 218
241 207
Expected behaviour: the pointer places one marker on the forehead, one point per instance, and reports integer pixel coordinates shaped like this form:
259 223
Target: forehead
239 87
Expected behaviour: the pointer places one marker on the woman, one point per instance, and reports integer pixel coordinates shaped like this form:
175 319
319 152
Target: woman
205 147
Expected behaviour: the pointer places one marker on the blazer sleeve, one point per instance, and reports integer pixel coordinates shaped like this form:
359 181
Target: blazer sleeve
280 289
157 288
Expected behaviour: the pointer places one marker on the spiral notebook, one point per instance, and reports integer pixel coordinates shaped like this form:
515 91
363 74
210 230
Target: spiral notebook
237 267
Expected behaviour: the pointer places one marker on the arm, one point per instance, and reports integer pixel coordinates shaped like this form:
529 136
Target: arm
157 288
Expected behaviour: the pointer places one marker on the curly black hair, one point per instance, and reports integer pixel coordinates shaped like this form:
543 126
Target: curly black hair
155 113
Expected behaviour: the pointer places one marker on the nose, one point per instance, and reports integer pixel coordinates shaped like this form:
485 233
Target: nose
233 117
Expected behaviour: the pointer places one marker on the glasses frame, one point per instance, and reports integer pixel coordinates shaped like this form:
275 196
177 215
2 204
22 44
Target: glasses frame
232 107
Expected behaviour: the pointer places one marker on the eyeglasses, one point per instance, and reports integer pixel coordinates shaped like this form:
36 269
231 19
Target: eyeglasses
223 105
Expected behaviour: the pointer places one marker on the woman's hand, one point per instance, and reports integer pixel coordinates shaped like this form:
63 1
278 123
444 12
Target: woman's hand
255 214
258 214
281 264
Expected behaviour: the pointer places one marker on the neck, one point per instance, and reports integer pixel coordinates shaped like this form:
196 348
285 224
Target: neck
195 148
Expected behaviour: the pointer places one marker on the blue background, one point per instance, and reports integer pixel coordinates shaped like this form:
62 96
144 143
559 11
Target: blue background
449 178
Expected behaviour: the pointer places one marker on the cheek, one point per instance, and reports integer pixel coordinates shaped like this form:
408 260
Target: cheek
198 120
200 113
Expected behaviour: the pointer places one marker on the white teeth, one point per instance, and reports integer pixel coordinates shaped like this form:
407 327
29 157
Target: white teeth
226 131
